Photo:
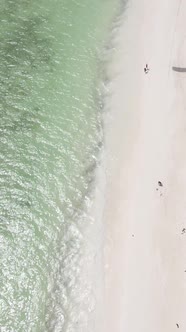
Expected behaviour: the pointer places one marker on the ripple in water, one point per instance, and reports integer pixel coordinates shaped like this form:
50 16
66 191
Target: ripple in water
49 142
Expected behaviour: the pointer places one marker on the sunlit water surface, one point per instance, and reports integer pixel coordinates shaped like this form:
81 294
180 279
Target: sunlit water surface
50 138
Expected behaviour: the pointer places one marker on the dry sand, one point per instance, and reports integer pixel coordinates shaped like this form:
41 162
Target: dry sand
145 252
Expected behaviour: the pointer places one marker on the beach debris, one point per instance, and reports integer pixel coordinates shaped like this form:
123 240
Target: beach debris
179 69
183 231
177 325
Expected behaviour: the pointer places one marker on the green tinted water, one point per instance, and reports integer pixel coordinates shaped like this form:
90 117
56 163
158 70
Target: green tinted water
49 141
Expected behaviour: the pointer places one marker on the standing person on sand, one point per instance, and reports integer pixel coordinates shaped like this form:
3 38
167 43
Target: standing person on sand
146 69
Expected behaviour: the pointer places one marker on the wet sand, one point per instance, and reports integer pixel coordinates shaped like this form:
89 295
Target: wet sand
145 247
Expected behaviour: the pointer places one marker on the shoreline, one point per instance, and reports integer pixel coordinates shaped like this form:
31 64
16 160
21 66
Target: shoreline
145 131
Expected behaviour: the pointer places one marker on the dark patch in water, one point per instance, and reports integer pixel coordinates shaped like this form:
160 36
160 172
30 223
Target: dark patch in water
23 51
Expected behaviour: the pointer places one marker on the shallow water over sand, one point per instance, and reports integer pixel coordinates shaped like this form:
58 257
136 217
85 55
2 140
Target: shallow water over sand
50 138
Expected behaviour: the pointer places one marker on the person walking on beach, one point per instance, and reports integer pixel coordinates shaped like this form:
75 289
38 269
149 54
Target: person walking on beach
146 69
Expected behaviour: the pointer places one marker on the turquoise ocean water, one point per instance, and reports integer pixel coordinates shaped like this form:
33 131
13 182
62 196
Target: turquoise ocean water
50 137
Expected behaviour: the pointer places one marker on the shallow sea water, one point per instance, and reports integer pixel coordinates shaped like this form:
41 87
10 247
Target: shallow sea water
50 138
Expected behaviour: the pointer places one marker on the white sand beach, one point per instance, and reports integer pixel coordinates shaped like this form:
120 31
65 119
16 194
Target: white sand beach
145 250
